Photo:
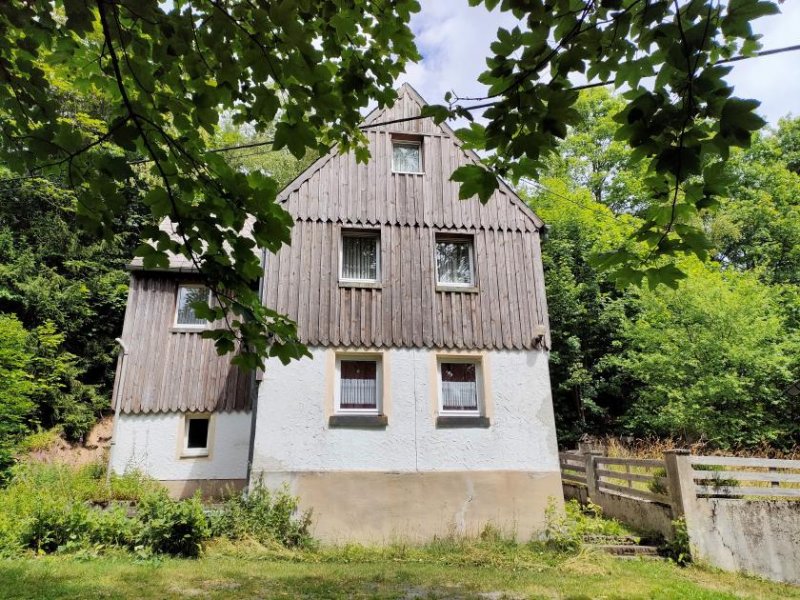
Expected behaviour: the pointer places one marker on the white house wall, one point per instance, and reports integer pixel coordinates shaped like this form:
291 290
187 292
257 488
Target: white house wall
152 444
292 433
412 481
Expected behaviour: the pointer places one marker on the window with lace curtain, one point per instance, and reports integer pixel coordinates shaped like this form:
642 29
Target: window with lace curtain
459 382
359 389
454 261
406 156
360 256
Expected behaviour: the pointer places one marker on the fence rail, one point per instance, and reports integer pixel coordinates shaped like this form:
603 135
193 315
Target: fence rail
741 514
722 477
640 478
573 467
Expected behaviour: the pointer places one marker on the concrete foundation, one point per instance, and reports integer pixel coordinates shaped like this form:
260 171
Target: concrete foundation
380 508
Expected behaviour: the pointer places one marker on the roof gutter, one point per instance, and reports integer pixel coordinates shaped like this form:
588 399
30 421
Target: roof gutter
116 400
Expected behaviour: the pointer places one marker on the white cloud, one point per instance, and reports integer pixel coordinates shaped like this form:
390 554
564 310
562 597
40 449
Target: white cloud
454 40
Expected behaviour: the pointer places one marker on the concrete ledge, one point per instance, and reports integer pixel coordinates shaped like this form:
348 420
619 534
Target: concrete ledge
380 507
210 489
358 421
456 422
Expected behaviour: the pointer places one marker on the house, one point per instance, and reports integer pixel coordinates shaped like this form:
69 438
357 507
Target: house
426 406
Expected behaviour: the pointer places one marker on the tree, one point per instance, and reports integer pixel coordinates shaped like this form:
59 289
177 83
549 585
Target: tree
587 310
16 387
165 72
711 360
758 224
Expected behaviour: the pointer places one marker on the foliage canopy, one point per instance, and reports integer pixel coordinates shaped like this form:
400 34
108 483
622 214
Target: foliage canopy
164 73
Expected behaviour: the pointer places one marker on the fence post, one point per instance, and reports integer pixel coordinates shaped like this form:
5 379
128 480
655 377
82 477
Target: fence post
591 476
679 481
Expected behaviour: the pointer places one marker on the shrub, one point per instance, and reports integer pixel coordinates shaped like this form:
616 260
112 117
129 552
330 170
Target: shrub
54 524
678 548
659 483
264 516
567 532
177 527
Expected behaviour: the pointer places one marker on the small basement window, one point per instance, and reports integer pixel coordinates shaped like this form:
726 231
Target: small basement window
460 387
359 386
406 156
455 262
360 256
195 436
184 312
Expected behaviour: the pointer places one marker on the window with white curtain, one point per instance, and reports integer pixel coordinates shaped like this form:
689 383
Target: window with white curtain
407 157
460 387
360 256
359 385
184 313
455 262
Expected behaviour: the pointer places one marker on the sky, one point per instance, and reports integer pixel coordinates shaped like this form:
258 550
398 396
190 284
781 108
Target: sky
454 40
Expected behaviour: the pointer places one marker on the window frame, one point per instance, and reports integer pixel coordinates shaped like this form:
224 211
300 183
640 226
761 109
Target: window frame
455 238
337 385
198 326
204 452
408 142
362 233
480 400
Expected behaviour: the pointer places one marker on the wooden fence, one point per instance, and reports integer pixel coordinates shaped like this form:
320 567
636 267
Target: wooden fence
573 467
640 478
750 478
740 514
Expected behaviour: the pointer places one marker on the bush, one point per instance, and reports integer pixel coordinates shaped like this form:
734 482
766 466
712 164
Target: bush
264 516
53 524
567 532
177 527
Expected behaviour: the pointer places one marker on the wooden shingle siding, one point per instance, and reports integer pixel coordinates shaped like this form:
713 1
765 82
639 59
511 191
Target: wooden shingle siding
508 310
407 310
167 370
372 196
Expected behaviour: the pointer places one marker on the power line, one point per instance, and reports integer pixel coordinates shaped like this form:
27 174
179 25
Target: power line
585 86
552 192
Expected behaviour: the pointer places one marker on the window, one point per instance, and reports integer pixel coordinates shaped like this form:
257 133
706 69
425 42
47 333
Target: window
360 259
184 313
407 157
359 386
460 387
454 262
195 436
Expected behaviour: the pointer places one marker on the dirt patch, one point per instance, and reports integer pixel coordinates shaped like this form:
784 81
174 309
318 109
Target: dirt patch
93 449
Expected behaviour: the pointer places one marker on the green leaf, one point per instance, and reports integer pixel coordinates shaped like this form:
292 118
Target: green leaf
475 181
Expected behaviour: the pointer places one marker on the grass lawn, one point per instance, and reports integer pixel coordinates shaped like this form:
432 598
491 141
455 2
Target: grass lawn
478 572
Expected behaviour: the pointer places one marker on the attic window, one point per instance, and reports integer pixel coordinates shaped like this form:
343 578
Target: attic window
184 312
406 154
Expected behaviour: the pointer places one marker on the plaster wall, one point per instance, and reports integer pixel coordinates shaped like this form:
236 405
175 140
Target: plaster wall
412 480
295 401
153 443
760 537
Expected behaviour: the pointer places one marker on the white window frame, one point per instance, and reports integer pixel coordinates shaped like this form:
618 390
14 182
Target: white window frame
418 144
196 452
364 233
337 389
444 238
480 400
175 322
